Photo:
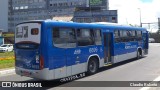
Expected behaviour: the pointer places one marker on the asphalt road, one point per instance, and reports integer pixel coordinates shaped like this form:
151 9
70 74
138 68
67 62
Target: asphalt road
145 69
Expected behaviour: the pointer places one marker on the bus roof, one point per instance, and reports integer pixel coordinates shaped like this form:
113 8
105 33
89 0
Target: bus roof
94 24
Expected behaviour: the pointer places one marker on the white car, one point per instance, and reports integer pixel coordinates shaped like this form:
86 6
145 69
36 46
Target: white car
6 48
151 40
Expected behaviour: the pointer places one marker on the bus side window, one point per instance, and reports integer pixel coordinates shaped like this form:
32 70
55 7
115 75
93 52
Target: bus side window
139 35
64 37
130 36
117 36
84 37
98 37
133 35
124 36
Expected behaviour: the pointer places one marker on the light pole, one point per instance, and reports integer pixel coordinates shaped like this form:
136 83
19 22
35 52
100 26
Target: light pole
90 9
140 17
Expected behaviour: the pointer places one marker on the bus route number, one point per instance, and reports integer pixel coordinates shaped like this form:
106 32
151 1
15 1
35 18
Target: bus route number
93 50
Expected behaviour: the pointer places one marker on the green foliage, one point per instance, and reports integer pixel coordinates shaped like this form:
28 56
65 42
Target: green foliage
7 35
6 54
158 32
95 2
156 36
134 25
7 64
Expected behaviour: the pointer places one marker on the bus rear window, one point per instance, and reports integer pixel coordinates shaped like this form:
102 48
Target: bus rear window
19 32
22 32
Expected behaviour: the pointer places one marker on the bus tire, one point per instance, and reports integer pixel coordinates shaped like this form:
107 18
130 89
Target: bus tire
138 54
92 66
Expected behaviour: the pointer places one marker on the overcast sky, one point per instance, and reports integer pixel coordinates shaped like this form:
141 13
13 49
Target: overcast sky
128 12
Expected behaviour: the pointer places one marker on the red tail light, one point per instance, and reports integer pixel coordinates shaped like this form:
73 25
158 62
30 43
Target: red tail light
41 62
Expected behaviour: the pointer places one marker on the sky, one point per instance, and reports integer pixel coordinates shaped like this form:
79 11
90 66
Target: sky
129 12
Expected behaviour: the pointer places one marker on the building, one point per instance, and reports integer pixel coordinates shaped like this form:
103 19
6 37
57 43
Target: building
95 11
23 10
96 16
4 15
1 38
158 23
63 18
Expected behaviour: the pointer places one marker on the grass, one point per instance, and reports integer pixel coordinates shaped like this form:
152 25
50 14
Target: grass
7 63
6 54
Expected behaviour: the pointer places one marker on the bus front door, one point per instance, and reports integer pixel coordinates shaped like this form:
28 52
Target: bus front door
107 47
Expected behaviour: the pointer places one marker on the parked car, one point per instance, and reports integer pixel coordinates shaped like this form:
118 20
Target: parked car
6 48
151 40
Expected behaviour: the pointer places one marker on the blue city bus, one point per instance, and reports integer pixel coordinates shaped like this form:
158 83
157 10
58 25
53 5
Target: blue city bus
50 50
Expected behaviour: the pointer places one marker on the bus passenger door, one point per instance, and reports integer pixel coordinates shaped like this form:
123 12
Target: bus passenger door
107 47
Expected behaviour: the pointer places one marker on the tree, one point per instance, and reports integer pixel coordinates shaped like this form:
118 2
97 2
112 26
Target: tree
134 25
158 32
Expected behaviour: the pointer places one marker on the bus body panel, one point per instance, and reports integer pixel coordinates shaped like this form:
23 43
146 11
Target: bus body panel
43 45
27 59
28 50
145 42
27 46
67 61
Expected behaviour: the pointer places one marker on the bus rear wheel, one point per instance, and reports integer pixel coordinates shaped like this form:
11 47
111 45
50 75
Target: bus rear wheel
139 54
92 66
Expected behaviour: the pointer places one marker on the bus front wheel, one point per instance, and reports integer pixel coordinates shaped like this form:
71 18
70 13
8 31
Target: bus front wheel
92 66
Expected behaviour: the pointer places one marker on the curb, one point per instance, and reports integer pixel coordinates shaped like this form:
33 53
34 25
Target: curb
8 71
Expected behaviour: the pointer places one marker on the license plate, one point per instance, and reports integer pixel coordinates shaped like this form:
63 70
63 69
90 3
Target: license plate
25 73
